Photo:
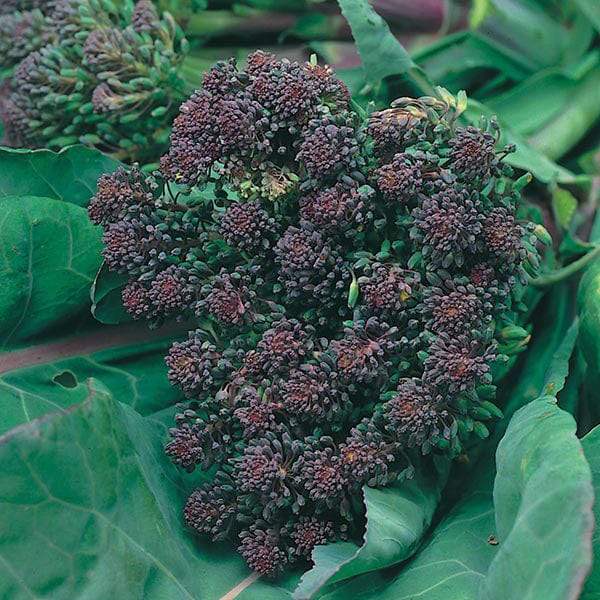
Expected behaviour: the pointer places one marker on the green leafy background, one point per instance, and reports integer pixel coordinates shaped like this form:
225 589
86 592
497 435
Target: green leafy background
90 507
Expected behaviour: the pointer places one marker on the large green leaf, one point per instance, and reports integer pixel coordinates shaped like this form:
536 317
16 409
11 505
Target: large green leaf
528 553
90 509
541 471
588 300
527 107
49 377
525 27
452 57
573 119
453 561
49 250
69 175
397 518
381 53
591 9
591 448
49 254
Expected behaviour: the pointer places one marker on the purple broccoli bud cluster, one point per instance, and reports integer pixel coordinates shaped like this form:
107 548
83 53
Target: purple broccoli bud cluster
23 31
94 72
349 275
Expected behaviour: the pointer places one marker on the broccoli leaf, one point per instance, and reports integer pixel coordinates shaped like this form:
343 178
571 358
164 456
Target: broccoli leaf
397 518
541 470
92 489
68 175
51 377
49 253
591 448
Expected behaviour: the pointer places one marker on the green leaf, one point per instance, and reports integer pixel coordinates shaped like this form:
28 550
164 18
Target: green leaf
451 563
565 205
545 364
558 368
381 53
92 494
527 28
449 60
570 397
588 300
520 107
572 122
68 175
49 253
397 518
107 304
128 360
591 449
541 470
591 9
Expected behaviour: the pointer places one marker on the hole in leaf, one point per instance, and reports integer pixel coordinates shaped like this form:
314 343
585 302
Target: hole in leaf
66 379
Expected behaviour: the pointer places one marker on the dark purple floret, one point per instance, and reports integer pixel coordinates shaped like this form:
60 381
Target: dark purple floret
472 153
393 130
261 550
331 91
309 532
187 447
459 364
254 412
362 355
400 180
258 470
228 299
222 79
240 124
283 346
337 208
248 227
449 225
196 365
194 144
260 61
387 288
366 458
135 299
309 393
309 265
123 245
329 147
171 292
210 510
294 95
415 414
118 191
323 477
266 467
455 310
504 238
